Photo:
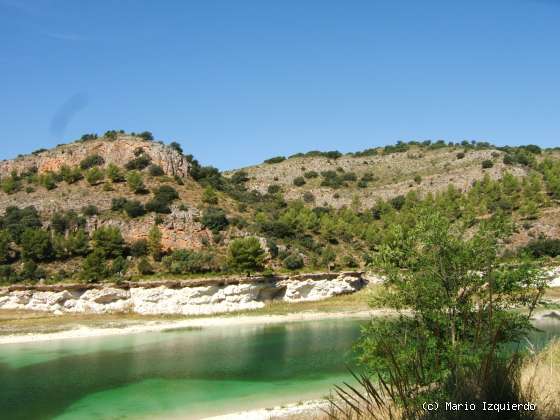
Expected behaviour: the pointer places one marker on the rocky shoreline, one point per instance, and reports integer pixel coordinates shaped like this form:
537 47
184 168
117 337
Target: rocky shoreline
190 297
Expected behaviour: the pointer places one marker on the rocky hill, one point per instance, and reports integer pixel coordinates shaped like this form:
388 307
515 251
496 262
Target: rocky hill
127 207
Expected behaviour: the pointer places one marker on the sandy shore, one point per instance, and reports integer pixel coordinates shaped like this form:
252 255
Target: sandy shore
217 321
306 409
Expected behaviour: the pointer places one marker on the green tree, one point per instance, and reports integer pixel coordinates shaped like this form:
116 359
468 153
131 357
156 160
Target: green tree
453 298
94 267
246 254
214 219
5 247
209 196
36 245
154 243
109 241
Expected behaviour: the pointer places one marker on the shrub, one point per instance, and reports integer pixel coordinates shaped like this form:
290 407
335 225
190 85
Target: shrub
139 248
460 155
146 135
117 204
111 134
214 218
398 202
293 262
5 247
115 174
138 163
209 196
310 174
94 176
134 208
544 247
144 267
154 243
136 183
276 159
17 220
87 137
184 261
36 245
176 146
508 160
94 267
158 205
77 243
109 241
167 192
90 210
308 197
11 185
349 176
418 179
246 255
48 180
155 170
240 177
274 189
486 164
299 181
333 154
91 161
70 175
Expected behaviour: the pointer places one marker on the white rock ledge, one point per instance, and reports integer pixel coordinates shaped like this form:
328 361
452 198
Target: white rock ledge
196 298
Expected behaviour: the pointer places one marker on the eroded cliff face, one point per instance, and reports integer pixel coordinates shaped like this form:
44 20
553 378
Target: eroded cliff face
186 298
118 152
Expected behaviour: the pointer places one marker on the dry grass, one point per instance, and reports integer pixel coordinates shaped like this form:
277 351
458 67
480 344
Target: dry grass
540 380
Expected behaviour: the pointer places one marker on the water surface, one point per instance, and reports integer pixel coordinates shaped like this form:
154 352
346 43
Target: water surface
184 373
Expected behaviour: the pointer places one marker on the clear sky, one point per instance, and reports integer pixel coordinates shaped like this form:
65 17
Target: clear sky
238 81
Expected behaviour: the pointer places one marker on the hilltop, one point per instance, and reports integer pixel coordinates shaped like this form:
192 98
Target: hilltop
124 206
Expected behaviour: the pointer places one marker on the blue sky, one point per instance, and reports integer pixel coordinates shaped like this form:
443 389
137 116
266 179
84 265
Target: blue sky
236 82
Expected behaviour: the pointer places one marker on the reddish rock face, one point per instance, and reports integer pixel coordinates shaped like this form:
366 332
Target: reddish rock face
118 152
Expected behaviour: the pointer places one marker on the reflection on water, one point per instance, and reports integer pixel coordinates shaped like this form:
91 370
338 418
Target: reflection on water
181 372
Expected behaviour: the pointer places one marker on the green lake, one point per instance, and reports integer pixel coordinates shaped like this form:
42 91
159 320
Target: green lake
180 374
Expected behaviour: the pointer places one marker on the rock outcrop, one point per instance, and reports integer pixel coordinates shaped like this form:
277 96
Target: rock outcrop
187 298
118 152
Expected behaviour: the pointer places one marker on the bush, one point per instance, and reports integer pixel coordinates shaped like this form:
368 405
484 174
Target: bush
246 255
167 192
48 180
333 154
117 204
5 247
310 174
240 177
155 170
70 175
144 267
138 163
11 185
214 218
176 146
134 209
109 241
136 183
115 174
398 202
94 176
293 262
273 189
418 179
17 220
349 176
91 161
184 261
544 247
90 210
94 267
155 246
487 164
308 197
276 159
209 196
299 181
87 137
139 248
146 135
158 204
36 245
460 155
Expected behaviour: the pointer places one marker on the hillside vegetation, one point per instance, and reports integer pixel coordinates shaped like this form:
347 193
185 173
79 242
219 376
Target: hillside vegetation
123 206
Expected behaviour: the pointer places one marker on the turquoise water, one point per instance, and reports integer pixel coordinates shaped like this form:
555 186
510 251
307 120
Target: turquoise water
186 373
189 373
